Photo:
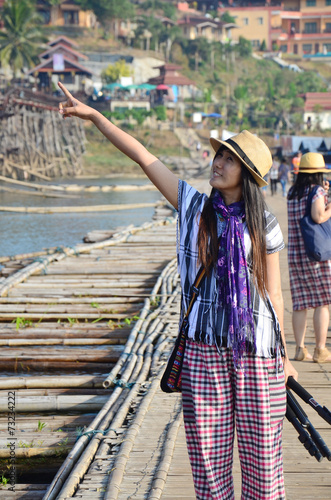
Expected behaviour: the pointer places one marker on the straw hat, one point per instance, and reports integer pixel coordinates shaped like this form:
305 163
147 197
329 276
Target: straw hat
312 163
251 151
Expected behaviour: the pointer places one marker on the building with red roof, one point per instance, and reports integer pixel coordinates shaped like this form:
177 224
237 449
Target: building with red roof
317 110
171 85
61 62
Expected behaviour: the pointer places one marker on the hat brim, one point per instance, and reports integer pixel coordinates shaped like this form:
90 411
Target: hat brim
216 143
315 171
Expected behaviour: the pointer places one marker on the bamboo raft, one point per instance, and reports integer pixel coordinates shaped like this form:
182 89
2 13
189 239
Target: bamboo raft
132 445
72 317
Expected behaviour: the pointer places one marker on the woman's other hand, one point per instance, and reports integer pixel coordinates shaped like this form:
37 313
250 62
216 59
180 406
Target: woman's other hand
289 370
73 107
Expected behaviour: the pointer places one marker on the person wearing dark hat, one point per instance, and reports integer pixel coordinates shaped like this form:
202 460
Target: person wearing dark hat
235 363
310 281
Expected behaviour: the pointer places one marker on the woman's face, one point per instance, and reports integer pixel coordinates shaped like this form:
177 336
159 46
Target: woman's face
226 175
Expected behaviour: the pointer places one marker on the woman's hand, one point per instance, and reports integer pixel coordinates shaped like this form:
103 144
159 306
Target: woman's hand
73 107
289 370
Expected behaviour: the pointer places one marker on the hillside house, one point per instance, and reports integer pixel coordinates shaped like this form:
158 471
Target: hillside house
213 30
306 27
61 62
66 13
317 110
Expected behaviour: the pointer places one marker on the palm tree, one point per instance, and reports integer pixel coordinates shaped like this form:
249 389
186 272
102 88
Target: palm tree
199 49
167 37
241 95
22 37
149 28
108 12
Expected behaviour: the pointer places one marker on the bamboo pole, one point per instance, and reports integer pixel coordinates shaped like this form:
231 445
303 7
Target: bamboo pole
161 474
29 171
33 193
55 403
66 210
77 342
82 381
21 453
32 185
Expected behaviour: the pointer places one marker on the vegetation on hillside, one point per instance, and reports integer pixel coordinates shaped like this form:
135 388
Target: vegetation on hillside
247 91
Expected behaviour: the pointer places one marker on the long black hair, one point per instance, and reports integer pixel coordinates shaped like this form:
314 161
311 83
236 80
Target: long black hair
302 181
255 218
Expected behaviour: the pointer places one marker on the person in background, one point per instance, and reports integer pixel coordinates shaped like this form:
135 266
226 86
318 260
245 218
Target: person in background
310 281
295 164
274 176
283 175
235 363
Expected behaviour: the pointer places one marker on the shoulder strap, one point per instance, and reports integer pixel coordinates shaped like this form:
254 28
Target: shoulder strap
310 200
195 289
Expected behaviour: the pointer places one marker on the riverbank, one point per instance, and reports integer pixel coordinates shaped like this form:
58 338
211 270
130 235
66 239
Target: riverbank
103 159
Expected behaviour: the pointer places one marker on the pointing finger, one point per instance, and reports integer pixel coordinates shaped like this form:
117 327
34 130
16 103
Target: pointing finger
65 90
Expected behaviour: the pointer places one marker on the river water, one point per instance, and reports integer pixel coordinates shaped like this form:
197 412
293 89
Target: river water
22 233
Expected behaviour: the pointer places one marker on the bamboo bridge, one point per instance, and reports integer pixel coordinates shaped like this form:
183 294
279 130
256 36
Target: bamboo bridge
36 143
85 333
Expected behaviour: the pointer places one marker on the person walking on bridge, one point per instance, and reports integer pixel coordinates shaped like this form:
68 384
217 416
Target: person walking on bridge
310 281
235 364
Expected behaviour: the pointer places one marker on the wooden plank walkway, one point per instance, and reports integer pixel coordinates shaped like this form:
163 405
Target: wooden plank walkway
64 323
138 451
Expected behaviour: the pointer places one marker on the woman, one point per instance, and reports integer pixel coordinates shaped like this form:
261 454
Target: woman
233 373
310 281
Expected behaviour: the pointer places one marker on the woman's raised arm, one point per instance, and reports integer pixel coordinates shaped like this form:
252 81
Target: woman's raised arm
165 181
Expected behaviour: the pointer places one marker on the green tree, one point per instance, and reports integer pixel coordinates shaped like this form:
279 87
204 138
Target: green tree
149 28
227 18
160 112
109 10
22 38
199 49
241 95
263 46
170 11
283 107
244 47
309 81
270 88
152 4
113 72
167 37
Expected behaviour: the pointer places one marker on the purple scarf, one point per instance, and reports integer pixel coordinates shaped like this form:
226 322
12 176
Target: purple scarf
233 278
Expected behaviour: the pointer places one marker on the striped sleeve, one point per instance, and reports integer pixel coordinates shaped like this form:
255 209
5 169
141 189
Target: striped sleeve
274 236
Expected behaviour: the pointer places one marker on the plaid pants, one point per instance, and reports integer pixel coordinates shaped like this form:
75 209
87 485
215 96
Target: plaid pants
216 399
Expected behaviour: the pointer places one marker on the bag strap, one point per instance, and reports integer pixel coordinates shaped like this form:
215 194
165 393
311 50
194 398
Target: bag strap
310 200
195 290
